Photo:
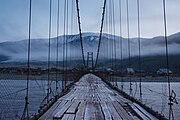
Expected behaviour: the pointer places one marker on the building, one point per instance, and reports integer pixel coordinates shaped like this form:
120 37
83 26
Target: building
164 71
130 71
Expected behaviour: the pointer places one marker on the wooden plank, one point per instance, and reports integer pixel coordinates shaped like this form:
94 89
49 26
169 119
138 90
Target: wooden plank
113 111
102 96
81 111
82 97
71 117
105 111
72 95
50 111
124 114
89 112
112 97
99 113
56 110
73 108
79 88
98 97
135 118
60 113
122 101
90 98
65 117
67 95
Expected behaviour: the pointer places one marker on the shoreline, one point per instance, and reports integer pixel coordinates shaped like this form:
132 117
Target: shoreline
148 79
118 79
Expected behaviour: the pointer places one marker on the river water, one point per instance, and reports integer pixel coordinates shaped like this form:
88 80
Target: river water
155 95
12 93
12 97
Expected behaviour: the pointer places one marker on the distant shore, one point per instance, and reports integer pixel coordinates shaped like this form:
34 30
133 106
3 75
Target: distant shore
118 79
148 79
24 77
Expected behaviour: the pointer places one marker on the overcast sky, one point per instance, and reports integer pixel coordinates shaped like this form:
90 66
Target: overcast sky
14 18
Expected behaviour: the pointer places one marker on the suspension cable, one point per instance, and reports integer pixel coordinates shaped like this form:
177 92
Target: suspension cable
80 33
110 35
172 98
72 29
57 49
101 30
166 42
106 23
66 44
129 51
64 39
121 42
114 41
139 44
49 49
108 31
26 108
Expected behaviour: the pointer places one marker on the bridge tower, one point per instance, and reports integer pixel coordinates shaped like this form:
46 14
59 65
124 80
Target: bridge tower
90 62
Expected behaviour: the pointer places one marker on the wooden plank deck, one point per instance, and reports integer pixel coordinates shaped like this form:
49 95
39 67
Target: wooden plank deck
90 99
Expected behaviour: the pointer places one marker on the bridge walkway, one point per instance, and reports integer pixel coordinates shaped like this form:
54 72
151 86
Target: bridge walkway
91 99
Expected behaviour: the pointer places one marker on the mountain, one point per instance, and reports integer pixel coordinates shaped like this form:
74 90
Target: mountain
17 51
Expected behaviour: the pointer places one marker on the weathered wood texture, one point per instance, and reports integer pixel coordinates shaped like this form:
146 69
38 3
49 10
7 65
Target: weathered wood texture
90 99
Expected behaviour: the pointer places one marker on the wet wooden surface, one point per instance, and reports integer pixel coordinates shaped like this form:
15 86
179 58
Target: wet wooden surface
90 99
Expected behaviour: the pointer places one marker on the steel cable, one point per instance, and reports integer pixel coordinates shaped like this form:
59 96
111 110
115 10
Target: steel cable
26 109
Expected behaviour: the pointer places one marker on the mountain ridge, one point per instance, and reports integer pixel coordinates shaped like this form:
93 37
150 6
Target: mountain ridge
17 50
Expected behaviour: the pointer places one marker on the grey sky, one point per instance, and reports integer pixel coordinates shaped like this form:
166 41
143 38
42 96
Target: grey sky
14 18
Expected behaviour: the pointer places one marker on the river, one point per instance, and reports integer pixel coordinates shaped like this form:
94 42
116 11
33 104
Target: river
12 99
154 95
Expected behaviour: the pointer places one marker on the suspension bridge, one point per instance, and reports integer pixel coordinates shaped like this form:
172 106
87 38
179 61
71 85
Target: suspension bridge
84 80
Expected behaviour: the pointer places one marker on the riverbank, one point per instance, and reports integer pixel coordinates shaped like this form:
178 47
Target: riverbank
119 79
148 79
31 77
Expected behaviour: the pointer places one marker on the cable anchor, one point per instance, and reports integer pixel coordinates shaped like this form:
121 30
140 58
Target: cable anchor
172 98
